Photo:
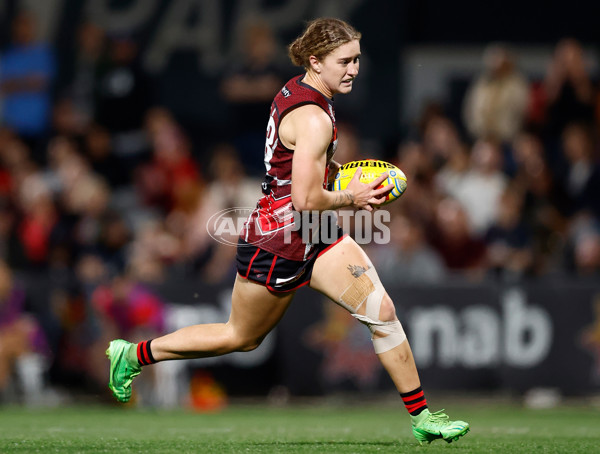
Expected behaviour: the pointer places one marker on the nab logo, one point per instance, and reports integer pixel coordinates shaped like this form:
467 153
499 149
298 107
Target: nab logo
285 92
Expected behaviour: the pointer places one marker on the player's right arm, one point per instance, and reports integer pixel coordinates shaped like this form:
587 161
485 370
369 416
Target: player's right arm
308 131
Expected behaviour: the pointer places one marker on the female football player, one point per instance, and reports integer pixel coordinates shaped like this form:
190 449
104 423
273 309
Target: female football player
273 258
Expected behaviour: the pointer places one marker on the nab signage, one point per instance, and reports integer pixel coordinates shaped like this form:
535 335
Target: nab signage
518 334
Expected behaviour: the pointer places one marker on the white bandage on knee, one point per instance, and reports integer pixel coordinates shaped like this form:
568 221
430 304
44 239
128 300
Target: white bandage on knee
394 334
367 289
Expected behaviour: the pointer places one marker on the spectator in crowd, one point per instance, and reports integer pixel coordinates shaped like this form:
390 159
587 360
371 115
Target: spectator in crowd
39 218
582 176
78 328
587 254
16 161
122 95
23 347
480 190
126 308
545 202
153 250
349 148
570 94
114 238
418 203
582 250
98 150
249 86
453 173
496 102
67 120
81 196
229 186
84 69
440 138
509 242
408 258
451 236
172 175
88 202
27 70
11 250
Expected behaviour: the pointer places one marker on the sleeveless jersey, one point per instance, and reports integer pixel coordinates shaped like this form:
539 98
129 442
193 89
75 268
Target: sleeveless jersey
271 225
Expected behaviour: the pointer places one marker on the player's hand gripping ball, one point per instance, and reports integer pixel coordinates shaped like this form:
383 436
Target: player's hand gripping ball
371 170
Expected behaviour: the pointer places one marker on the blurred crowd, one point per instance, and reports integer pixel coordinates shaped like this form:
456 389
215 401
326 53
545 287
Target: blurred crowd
104 196
509 191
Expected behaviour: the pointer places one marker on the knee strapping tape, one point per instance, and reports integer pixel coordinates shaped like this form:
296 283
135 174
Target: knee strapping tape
367 289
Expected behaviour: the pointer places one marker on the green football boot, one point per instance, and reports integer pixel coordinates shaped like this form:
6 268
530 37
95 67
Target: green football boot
124 367
429 426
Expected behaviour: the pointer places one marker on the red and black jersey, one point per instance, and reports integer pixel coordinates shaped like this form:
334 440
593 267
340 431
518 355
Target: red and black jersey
266 225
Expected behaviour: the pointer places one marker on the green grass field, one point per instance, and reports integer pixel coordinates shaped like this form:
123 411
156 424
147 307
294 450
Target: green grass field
495 428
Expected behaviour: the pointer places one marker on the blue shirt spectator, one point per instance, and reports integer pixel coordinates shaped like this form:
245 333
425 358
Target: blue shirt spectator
26 72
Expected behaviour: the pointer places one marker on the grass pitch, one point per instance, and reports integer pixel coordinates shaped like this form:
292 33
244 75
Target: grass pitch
495 428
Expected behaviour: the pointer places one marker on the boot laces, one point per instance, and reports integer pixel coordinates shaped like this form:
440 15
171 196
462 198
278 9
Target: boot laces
438 417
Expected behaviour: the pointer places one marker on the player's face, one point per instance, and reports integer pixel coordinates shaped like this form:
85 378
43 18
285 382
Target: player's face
340 67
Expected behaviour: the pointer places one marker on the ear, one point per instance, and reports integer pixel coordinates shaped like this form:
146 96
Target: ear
315 64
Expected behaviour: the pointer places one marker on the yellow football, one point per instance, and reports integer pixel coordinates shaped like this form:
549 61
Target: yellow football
371 170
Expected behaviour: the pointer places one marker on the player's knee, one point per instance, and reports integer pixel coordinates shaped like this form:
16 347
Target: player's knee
387 310
247 344
238 341
379 311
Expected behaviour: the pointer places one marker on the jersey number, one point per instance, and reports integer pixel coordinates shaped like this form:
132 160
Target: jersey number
271 141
